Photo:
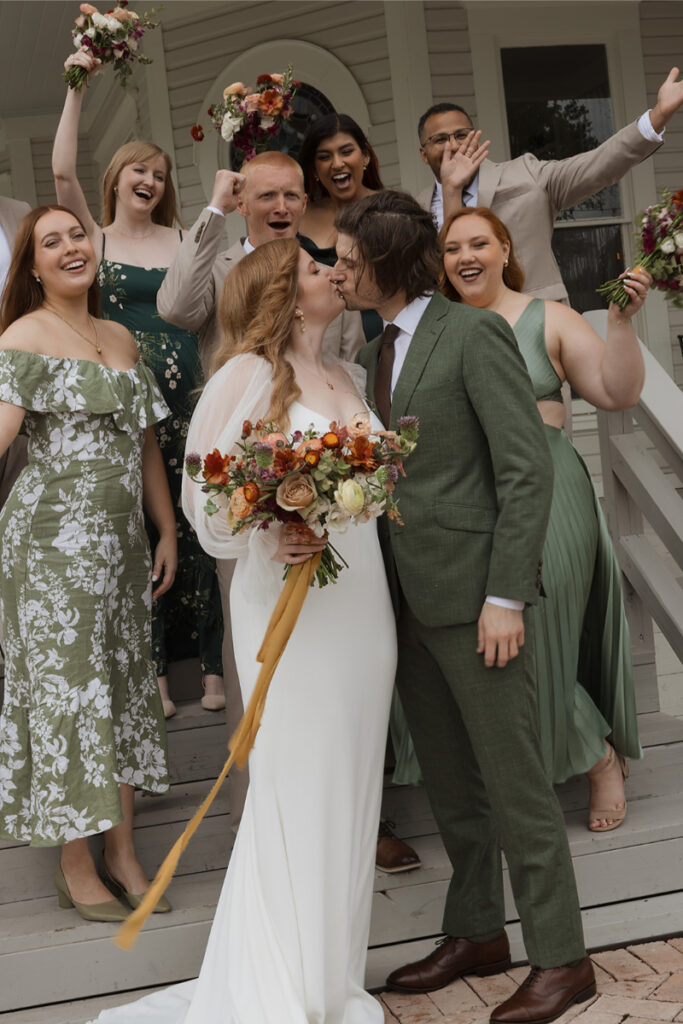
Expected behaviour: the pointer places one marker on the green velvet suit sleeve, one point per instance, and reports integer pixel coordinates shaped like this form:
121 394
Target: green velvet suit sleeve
499 389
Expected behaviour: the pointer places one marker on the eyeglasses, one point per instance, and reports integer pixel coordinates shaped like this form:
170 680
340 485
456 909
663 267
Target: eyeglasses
442 137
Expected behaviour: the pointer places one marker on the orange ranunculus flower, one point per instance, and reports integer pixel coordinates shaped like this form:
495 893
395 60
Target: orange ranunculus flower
251 491
276 440
270 101
361 454
314 444
240 506
285 461
330 439
678 198
216 468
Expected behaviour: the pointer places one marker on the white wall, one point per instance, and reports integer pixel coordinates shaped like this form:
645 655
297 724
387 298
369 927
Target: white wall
449 54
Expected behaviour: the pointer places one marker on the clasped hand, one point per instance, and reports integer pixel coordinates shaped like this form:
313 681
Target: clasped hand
500 634
297 544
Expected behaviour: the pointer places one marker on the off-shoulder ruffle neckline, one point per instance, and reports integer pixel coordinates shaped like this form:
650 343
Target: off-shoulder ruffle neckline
71 359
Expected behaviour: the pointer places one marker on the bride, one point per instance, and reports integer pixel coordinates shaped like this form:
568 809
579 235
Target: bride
289 940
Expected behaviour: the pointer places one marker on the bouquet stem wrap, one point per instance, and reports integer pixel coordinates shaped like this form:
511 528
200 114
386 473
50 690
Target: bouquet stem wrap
282 621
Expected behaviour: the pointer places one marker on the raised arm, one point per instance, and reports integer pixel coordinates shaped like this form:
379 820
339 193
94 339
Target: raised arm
65 151
187 297
609 374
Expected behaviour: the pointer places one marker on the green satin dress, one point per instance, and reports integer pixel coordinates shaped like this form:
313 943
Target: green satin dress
584 670
187 621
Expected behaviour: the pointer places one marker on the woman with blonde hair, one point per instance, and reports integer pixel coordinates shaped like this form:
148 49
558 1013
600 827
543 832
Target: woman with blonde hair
584 671
136 244
290 935
81 723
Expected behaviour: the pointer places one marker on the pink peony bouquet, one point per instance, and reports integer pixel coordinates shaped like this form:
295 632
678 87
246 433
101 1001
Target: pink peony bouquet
659 250
113 37
314 483
247 116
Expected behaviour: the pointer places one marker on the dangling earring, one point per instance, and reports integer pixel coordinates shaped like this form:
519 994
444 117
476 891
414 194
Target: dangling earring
299 315
116 190
38 279
506 263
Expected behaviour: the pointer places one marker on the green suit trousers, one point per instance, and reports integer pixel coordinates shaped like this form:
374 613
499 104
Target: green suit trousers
476 736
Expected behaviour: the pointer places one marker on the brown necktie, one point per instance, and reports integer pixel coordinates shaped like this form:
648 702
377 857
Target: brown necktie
385 367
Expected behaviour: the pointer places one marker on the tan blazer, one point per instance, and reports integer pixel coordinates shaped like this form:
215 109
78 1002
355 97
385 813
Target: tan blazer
527 194
189 294
12 212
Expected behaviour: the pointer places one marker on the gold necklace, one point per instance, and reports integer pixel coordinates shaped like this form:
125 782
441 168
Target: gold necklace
94 343
308 370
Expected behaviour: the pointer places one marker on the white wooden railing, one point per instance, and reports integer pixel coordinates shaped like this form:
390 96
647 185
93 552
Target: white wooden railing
641 452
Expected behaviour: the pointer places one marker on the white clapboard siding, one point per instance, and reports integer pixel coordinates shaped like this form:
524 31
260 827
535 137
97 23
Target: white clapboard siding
41 153
449 54
661 32
198 48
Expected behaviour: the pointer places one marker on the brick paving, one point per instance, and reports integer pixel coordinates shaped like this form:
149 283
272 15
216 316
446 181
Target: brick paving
640 984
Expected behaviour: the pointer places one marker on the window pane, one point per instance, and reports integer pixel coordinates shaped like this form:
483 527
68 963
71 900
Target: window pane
588 256
558 104
309 104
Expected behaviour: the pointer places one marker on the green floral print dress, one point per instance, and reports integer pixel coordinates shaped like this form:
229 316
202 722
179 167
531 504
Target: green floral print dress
187 621
82 711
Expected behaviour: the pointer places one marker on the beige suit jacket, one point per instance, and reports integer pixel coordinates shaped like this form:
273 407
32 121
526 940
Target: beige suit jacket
189 294
527 195
12 212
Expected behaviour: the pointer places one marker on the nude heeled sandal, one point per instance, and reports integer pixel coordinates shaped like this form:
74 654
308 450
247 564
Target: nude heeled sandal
617 815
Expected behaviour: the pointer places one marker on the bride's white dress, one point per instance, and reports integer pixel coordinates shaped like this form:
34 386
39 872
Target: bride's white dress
289 940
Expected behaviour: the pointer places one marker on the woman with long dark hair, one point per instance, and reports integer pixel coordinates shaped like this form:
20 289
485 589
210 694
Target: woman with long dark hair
136 243
81 723
339 166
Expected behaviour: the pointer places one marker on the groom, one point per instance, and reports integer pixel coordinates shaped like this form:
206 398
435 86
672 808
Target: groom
461 569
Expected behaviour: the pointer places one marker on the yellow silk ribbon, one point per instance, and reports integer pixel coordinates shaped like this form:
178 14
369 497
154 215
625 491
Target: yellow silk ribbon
279 630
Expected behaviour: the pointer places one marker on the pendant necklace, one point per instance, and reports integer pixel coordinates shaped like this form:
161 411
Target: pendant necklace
95 343
309 370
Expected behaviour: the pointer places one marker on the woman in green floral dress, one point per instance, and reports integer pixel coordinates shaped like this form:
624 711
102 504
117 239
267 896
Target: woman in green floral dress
81 724
137 245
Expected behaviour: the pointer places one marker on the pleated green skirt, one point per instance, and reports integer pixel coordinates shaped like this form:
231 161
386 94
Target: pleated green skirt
584 670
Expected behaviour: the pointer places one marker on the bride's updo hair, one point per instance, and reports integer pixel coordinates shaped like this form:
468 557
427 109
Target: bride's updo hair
256 313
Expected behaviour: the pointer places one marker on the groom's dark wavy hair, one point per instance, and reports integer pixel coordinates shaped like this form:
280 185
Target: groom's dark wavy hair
396 240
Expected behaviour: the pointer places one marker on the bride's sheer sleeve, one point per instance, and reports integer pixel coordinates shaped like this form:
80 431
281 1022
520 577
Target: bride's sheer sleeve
239 391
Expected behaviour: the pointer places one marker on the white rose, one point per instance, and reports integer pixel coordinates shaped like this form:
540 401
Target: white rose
350 496
132 44
267 121
78 39
230 125
678 239
668 245
338 520
99 20
113 24
90 32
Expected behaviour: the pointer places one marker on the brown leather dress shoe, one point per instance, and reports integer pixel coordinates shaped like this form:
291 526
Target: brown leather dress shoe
544 995
451 959
393 855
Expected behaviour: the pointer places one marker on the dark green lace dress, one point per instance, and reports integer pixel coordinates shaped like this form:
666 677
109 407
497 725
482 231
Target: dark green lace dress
187 621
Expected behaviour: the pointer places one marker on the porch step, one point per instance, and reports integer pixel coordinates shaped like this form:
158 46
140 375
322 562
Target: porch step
623 877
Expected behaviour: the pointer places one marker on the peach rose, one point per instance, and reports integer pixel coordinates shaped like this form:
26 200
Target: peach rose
240 506
275 440
359 426
88 9
253 102
314 444
296 492
236 89
123 15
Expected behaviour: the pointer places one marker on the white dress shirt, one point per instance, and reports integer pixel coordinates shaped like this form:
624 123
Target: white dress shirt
407 321
470 193
5 258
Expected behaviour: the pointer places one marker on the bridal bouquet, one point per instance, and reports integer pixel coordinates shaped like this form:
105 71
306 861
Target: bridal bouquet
659 251
112 37
247 116
317 484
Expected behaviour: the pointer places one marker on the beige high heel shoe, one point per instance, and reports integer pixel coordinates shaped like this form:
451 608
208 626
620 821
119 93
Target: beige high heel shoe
212 701
616 815
112 910
162 907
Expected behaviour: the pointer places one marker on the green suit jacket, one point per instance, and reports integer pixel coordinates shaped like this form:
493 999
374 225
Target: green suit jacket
476 497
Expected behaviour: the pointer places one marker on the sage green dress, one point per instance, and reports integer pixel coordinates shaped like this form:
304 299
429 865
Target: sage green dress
584 670
82 711
187 621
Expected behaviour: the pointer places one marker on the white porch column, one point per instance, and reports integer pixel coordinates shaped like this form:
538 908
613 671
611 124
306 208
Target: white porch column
411 86
156 87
